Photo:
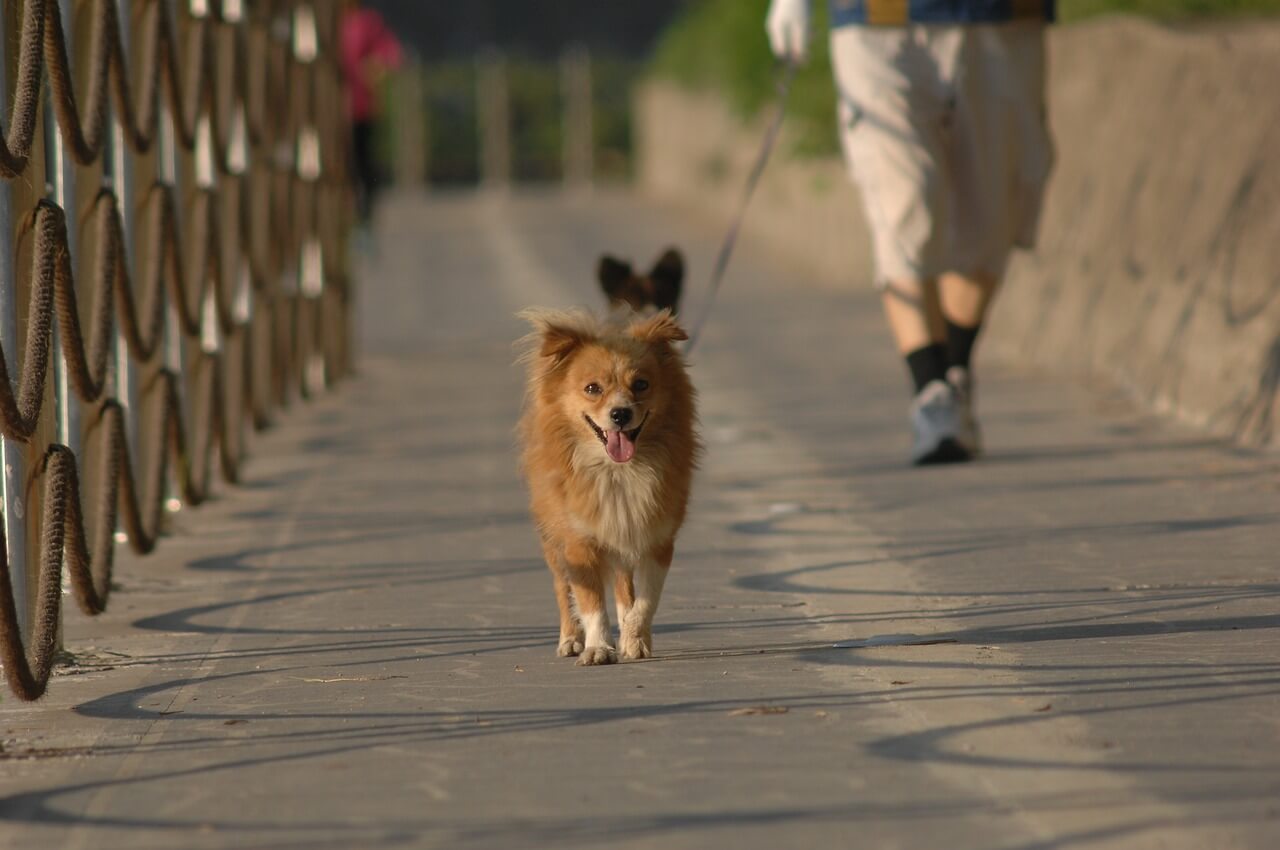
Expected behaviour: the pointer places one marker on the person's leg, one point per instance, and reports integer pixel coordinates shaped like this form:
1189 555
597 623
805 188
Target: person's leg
915 319
365 167
892 122
999 153
964 300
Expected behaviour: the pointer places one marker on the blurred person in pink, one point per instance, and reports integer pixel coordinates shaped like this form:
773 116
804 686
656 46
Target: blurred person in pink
368 51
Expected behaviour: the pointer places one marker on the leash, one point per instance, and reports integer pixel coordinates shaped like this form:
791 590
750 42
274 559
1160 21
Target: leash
783 86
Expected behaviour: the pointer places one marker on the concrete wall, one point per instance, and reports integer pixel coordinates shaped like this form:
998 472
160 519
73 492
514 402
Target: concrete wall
1159 262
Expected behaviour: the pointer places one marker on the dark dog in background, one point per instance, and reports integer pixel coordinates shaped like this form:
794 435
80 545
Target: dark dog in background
648 293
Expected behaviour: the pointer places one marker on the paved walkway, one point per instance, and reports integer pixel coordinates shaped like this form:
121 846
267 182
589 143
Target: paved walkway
356 649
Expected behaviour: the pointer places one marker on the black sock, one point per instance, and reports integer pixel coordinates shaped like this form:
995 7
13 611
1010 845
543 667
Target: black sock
960 343
928 364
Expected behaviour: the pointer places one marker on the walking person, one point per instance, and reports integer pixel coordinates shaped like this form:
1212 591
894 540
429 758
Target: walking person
369 51
942 123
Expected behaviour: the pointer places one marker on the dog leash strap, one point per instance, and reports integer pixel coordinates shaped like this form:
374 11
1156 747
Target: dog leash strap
785 74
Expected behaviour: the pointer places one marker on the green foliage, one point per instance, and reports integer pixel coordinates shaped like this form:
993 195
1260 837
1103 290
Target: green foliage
721 45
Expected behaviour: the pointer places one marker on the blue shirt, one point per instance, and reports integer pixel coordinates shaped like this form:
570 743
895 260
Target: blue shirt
900 12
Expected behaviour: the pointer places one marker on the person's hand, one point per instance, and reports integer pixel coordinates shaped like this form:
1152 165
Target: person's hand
788 27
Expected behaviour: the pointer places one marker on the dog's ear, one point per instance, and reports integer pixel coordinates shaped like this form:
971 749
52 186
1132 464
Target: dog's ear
559 341
658 328
667 275
557 334
612 274
669 267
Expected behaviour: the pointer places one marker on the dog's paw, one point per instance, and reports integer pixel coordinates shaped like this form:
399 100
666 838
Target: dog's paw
635 646
569 647
593 655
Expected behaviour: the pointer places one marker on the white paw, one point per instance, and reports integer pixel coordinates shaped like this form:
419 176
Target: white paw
594 655
635 646
569 647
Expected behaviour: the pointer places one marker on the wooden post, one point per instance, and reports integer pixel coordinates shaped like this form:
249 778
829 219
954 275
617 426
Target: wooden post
412 155
575 88
493 111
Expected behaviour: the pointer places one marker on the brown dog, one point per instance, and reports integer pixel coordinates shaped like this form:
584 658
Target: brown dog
657 290
609 450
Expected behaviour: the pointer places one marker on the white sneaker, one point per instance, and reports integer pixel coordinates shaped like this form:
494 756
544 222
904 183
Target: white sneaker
970 435
935 421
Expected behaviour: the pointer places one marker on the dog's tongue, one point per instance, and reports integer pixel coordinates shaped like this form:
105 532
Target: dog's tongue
619 446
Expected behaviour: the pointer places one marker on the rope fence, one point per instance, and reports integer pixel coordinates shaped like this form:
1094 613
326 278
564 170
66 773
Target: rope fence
173 216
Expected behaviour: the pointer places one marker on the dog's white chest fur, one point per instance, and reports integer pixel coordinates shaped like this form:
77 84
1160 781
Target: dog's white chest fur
628 515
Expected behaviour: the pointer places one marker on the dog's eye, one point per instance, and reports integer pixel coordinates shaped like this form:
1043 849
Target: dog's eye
639 385
593 388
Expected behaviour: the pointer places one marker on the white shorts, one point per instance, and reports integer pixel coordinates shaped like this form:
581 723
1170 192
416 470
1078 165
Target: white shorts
944 131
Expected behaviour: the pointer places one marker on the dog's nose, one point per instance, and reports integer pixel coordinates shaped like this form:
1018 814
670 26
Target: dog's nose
620 416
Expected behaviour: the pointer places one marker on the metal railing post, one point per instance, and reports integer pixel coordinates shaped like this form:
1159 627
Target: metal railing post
62 182
307 166
121 170
167 166
206 175
12 456
238 152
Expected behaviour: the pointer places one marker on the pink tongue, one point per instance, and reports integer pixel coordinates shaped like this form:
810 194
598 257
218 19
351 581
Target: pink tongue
619 447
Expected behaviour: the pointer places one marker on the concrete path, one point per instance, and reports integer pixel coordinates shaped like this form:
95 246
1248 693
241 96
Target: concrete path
1071 644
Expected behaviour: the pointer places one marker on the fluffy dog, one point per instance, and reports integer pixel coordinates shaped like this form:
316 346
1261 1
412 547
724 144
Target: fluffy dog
657 290
609 449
